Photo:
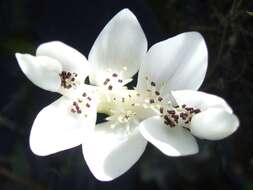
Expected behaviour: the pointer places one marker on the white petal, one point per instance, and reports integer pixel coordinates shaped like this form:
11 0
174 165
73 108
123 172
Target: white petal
42 71
175 64
175 141
214 124
120 46
111 152
71 59
56 128
200 100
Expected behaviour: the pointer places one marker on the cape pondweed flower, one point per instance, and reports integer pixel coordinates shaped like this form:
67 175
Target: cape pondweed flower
164 108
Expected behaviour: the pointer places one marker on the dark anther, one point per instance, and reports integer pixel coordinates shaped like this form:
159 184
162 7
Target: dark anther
171 112
68 74
73 111
161 110
89 98
151 101
152 83
175 117
196 110
168 121
106 81
120 81
183 106
114 75
84 94
183 116
157 93
166 117
110 87
87 105
160 99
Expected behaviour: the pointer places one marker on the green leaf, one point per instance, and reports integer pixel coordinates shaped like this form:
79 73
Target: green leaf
250 13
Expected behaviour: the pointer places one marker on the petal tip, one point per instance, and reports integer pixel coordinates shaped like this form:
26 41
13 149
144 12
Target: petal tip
19 56
47 45
126 11
214 124
23 60
236 123
35 148
127 14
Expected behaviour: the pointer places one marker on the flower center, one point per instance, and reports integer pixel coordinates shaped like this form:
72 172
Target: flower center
126 107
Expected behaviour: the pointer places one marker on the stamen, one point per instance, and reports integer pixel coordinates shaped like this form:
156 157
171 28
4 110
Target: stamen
82 105
157 93
106 81
110 87
171 112
68 79
114 74
160 99
151 101
196 110
153 83
180 115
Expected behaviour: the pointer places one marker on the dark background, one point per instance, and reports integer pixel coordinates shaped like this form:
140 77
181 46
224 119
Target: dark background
227 27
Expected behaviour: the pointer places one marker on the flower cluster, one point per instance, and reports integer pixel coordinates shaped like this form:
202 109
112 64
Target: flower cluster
164 108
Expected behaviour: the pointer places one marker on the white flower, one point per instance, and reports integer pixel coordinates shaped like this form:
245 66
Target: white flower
164 109
172 72
59 68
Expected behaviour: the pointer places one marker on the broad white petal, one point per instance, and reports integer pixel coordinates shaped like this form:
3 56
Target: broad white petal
42 71
111 152
120 47
56 128
70 59
175 141
214 124
201 100
175 64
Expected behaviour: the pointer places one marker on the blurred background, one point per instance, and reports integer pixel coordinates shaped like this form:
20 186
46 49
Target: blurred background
227 27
